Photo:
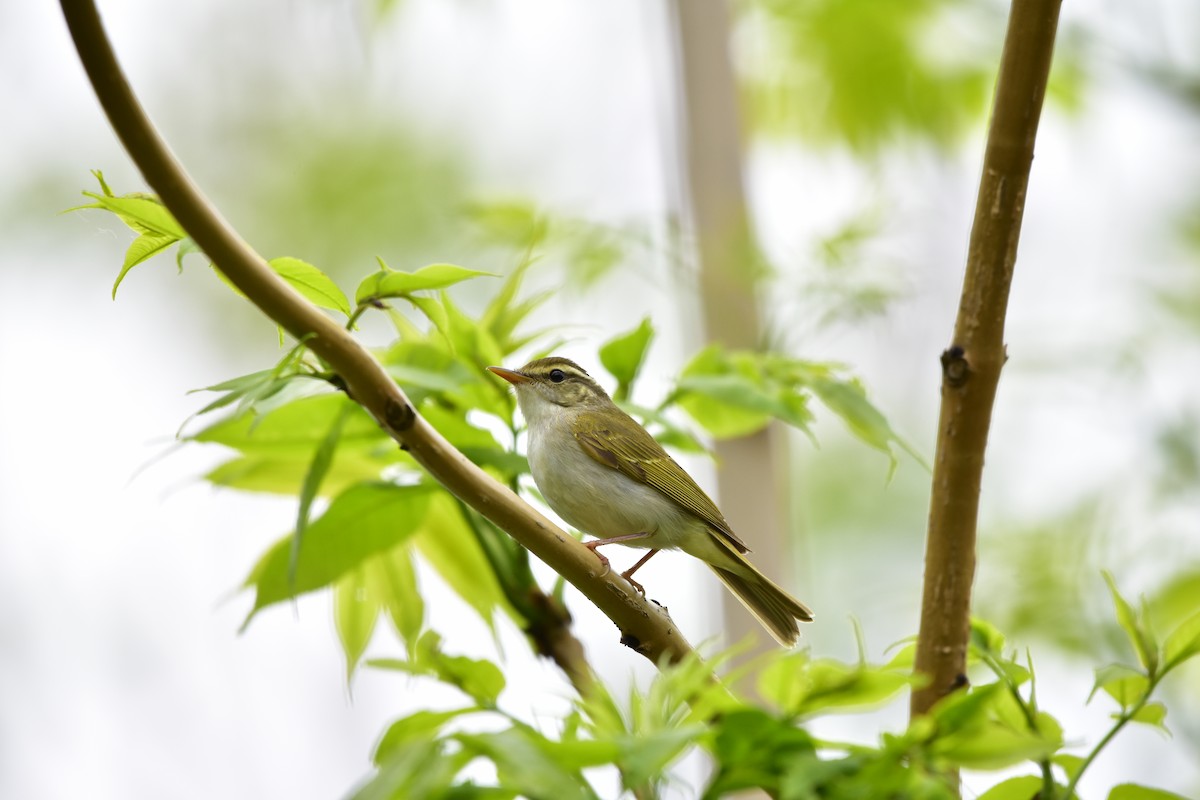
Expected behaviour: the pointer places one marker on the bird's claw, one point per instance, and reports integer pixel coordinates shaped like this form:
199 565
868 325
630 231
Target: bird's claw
641 589
603 559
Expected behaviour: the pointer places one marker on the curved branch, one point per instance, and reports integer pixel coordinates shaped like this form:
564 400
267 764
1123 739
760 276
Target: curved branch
971 366
643 625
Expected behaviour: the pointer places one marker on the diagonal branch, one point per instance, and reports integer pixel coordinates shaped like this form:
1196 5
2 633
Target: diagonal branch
644 626
971 366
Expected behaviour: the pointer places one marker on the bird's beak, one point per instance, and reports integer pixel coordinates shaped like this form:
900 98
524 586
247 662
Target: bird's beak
509 375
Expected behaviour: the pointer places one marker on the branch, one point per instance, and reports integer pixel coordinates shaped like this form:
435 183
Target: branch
643 625
971 366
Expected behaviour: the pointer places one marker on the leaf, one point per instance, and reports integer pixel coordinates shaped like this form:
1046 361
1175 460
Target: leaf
986 637
362 521
416 768
647 756
447 543
523 766
317 470
1182 643
311 282
187 246
296 428
388 282
354 615
724 415
392 581
435 313
1135 629
1152 714
417 727
1071 765
504 313
1025 787
622 356
470 339
143 247
1124 684
848 399
142 213
1132 791
801 686
479 678
984 728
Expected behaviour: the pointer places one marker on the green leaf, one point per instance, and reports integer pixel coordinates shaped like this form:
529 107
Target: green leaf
421 726
1025 787
392 582
646 757
525 767
187 246
724 414
801 686
447 543
1182 643
416 768
296 428
1071 765
317 470
311 282
984 728
382 582
480 679
143 247
388 282
1132 791
143 213
623 355
1152 714
472 341
362 521
504 313
354 615
1124 684
1134 627
848 399
754 748
434 312
987 637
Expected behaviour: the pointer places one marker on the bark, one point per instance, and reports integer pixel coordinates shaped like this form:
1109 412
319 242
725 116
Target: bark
971 365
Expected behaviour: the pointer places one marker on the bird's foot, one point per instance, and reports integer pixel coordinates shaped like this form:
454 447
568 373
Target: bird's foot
628 575
603 559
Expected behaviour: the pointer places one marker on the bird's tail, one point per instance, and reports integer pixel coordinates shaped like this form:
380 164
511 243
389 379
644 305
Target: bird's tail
777 610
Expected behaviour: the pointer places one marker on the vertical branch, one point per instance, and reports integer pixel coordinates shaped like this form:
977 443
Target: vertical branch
971 366
711 141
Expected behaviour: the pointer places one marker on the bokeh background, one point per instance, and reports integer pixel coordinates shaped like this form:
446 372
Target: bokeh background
337 131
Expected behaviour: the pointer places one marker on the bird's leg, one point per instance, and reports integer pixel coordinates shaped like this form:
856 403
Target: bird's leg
592 545
628 574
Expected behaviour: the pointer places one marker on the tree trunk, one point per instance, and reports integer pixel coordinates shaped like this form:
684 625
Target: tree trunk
711 145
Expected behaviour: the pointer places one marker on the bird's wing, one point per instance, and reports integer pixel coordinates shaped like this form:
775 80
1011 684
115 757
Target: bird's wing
634 452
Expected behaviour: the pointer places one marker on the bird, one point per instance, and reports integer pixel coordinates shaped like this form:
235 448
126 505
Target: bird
603 473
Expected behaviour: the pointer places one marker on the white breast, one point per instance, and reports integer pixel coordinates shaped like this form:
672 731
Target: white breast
590 496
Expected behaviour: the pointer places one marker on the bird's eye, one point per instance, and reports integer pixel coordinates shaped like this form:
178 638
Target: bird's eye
557 376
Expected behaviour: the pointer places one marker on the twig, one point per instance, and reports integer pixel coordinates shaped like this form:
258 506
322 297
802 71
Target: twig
643 626
971 366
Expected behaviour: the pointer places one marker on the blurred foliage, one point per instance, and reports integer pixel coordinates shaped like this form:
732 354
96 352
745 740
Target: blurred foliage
865 74
339 188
